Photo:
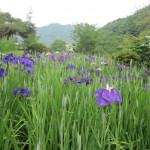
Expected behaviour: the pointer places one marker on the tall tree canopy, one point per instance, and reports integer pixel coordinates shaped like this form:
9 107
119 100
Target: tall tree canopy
85 37
58 45
10 26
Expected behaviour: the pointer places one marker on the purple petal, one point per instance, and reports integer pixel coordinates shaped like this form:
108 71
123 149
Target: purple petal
112 95
109 95
74 80
101 101
99 92
2 72
118 96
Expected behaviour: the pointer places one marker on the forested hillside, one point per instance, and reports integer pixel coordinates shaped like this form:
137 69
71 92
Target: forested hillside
48 34
125 32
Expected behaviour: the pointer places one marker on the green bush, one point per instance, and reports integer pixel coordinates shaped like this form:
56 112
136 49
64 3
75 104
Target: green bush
7 45
38 47
125 57
144 52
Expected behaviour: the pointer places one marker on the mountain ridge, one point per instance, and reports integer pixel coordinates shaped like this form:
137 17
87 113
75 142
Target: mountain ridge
48 34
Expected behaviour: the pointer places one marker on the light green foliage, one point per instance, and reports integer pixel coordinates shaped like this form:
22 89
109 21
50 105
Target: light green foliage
38 47
85 37
10 26
125 32
59 116
58 45
7 45
125 57
144 51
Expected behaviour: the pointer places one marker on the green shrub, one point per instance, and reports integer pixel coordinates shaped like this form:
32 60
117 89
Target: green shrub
125 56
7 45
38 47
144 52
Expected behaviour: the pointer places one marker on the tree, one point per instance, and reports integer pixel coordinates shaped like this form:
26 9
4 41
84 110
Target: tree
58 45
85 37
38 47
10 26
144 51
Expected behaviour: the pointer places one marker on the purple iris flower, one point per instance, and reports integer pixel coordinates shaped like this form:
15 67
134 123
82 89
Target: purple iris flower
88 81
74 80
61 58
2 72
147 71
29 68
70 67
68 78
51 56
106 95
81 80
120 67
25 60
98 69
22 91
10 57
7 58
104 63
102 78
90 57
90 70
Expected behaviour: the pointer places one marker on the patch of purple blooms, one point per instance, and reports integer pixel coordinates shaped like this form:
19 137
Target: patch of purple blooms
81 80
10 57
51 56
70 67
120 67
147 71
74 79
106 95
24 60
27 62
22 91
2 71
63 56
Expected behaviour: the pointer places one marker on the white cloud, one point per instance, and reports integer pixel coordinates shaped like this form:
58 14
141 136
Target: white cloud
72 11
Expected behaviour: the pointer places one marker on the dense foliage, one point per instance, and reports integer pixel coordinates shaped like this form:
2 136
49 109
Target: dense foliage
51 103
38 47
125 57
10 26
85 37
58 45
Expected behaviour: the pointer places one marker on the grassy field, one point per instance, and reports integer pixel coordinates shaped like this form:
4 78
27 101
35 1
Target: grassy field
58 116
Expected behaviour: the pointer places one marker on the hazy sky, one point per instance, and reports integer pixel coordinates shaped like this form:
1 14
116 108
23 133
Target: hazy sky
98 12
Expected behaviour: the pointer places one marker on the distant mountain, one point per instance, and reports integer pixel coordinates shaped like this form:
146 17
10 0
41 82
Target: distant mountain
48 34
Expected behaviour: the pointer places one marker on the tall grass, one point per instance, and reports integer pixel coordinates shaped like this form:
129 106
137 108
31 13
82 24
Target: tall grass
66 117
7 45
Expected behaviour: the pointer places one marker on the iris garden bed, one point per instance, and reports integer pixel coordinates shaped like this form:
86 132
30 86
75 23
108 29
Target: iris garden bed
50 102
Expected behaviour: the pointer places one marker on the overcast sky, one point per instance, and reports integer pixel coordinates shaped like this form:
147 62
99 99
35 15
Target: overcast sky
98 12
